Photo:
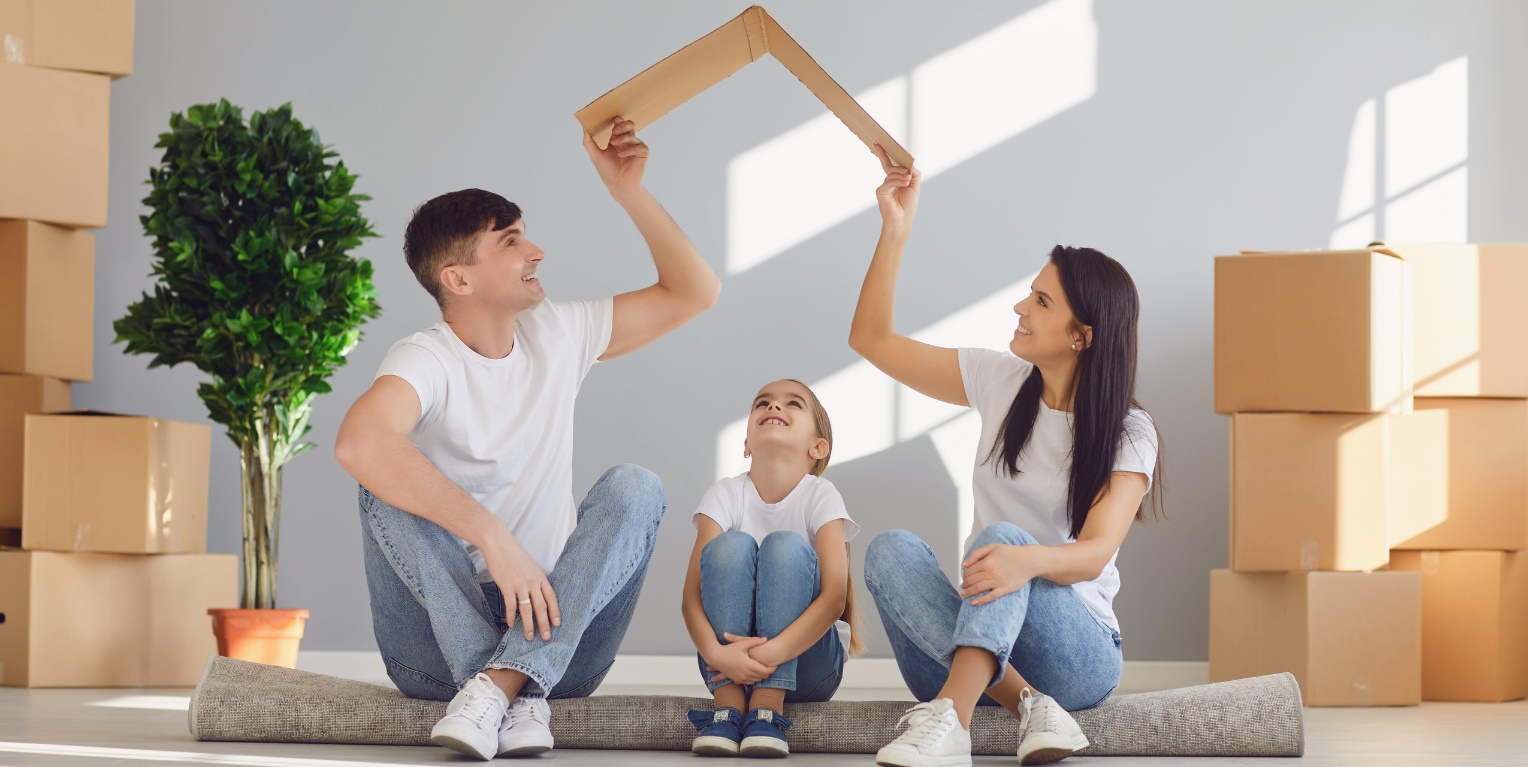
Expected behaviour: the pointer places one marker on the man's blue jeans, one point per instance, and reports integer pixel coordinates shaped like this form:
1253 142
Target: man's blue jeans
437 626
1043 629
759 590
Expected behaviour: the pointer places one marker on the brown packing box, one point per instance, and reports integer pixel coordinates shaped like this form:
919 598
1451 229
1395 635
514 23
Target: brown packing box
54 141
47 299
1316 491
1478 479
713 58
112 483
1322 332
84 35
1474 623
1350 639
1469 319
20 395
131 621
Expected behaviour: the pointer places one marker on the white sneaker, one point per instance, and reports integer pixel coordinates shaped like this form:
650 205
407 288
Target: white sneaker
1047 733
527 728
471 723
934 738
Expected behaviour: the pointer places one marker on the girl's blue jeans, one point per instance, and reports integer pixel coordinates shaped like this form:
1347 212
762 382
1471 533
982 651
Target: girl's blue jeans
750 589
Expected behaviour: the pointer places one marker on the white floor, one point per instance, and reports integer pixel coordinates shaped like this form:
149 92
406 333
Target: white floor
53 728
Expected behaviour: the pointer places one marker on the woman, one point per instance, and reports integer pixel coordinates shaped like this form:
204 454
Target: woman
1065 461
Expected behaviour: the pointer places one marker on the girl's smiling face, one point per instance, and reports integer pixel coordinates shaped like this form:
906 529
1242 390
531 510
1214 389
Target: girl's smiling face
781 419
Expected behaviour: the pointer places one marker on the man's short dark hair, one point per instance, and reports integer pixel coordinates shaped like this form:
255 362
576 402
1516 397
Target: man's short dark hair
444 232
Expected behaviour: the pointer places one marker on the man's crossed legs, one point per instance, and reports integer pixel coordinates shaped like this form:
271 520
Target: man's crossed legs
439 629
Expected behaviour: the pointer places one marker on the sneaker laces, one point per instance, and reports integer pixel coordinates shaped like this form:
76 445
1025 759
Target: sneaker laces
926 724
475 707
1028 701
523 710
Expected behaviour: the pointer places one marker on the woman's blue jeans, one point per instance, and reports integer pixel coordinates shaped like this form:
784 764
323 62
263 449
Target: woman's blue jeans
758 590
1043 629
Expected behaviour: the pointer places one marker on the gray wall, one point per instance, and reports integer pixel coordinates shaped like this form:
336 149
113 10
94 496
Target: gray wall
1214 126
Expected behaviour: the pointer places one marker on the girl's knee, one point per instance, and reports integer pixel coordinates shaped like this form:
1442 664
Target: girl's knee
785 547
729 550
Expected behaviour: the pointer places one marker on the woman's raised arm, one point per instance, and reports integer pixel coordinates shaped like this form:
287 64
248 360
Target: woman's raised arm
928 369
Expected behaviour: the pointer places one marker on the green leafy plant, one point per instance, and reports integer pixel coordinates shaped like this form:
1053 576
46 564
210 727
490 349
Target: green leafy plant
252 227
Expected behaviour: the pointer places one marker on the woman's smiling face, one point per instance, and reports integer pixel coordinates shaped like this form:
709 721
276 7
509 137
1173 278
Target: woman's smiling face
1046 325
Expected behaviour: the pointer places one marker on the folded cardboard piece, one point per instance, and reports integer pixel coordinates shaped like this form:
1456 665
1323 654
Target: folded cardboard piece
1323 332
1474 623
54 141
713 58
1317 491
1469 319
102 482
1470 490
47 300
20 395
1350 639
83 35
131 621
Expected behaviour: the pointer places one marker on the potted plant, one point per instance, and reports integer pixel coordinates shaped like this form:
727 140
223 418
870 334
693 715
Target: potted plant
252 227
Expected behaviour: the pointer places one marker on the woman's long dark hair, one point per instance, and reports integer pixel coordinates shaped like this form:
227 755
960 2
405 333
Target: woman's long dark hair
1103 297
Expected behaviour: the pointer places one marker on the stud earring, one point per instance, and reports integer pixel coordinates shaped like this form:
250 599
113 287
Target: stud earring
1074 347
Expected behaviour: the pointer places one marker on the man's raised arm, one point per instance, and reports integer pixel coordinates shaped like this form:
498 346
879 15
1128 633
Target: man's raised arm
373 446
686 284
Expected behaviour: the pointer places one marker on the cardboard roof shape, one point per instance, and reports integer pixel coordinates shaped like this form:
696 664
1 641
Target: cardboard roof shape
713 58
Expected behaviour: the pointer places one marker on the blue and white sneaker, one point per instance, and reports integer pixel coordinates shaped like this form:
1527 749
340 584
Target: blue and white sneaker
764 734
720 731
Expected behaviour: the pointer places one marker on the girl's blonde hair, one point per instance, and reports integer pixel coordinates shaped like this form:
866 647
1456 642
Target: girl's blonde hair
851 609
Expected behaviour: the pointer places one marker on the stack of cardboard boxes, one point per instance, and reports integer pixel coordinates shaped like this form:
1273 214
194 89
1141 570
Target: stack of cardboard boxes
1379 472
104 579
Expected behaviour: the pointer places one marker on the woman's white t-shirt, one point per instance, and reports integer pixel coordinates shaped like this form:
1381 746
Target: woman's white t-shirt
734 503
1035 499
502 429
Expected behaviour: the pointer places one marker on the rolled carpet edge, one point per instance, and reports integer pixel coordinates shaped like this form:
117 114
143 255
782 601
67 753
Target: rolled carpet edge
250 702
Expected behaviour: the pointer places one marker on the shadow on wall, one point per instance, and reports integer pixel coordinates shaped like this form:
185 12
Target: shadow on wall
1069 118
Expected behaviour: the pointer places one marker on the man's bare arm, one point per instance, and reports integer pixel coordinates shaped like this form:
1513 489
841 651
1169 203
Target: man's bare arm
373 445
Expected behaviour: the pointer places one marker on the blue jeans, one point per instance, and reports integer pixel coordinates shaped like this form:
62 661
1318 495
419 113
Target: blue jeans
437 627
1043 629
758 590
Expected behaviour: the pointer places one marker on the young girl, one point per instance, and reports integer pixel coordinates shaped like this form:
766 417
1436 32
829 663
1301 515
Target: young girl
1065 460
769 579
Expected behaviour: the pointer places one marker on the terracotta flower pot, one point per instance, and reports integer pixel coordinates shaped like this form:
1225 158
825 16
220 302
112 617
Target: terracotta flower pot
261 636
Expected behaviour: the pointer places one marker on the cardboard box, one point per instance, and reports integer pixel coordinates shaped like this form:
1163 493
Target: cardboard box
20 395
110 620
1474 623
713 58
54 142
113 483
1316 491
47 300
83 35
1350 639
1479 476
1468 339
1321 332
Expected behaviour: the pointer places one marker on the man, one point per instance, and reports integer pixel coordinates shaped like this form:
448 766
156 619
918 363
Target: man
463 450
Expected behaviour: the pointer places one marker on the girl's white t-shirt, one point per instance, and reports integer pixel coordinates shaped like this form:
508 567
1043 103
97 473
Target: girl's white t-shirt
502 429
735 504
1035 499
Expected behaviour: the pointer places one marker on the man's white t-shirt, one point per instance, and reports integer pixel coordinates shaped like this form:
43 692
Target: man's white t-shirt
502 429
1035 499
735 504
